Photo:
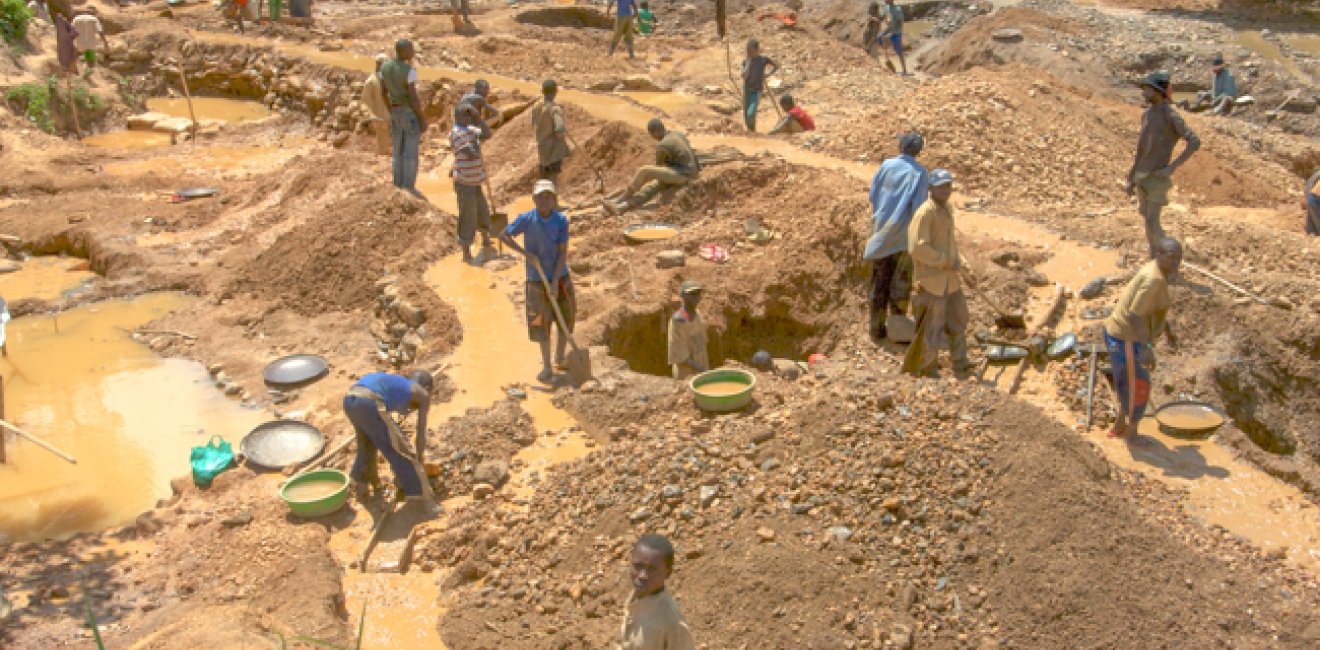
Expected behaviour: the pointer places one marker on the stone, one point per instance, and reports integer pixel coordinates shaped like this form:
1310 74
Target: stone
9 266
641 514
482 490
706 495
1299 104
769 464
412 315
494 472
672 493
670 259
788 369
1036 278
516 393
1002 258
841 533
900 636
765 534
172 125
144 121
1092 289
241 519
763 435
215 368
1007 35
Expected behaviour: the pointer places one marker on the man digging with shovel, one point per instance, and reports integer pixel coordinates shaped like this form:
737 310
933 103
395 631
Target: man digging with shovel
545 245
368 405
469 172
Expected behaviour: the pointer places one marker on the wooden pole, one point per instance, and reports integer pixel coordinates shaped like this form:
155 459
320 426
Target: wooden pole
183 78
39 442
2 415
1239 290
1036 327
73 106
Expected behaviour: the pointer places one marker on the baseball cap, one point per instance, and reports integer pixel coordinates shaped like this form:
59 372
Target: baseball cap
940 177
1218 60
690 286
544 185
1159 80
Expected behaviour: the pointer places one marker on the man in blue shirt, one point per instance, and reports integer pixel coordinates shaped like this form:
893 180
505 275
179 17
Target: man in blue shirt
895 32
623 24
898 189
367 405
545 241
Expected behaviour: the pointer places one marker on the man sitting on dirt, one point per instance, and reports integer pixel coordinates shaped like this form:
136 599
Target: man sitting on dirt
1138 318
545 245
368 405
898 189
1223 91
651 619
373 96
795 119
1151 173
940 306
687 335
623 24
477 100
551 136
469 174
399 82
675 165
1311 203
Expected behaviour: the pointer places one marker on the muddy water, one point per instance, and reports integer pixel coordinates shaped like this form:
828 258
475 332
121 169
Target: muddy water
312 490
653 233
210 108
1190 417
128 417
722 388
1308 43
219 160
45 278
1224 491
1269 50
128 140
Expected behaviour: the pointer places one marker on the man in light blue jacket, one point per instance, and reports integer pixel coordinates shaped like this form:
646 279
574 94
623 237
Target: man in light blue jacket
898 189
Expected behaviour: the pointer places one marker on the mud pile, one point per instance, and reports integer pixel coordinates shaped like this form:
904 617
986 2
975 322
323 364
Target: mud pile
474 451
332 258
834 514
1056 146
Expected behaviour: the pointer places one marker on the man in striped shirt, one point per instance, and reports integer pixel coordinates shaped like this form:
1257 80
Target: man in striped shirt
469 172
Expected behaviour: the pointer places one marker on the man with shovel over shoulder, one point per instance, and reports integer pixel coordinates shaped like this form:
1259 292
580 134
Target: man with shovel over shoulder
469 172
1138 319
940 306
545 245
551 136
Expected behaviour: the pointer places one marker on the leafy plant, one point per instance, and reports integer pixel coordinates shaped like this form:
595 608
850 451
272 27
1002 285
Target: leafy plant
35 100
91 616
357 645
39 99
14 18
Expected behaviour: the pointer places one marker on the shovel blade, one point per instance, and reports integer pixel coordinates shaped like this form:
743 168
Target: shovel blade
579 366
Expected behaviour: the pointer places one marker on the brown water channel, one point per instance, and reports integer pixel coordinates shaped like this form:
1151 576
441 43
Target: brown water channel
80 382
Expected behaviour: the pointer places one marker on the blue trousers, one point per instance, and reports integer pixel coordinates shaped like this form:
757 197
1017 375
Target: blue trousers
1118 359
373 433
406 137
751 98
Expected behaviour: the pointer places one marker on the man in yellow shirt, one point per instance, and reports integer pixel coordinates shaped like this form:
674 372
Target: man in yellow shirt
373 96
551 138
1138 319
940 305
651 619
687 335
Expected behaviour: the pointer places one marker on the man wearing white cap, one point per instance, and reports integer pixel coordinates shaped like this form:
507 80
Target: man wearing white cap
374 99
940 306
545 240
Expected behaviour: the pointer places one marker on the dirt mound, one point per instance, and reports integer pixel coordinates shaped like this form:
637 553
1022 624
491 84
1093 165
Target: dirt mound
615 149
217 573
573 17
913 523
482 437
1044 146
331 260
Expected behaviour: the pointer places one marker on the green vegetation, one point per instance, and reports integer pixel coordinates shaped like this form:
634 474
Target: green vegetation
14 17
362 625
40 99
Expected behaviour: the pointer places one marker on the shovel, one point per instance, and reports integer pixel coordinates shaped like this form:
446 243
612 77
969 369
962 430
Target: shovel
499 220
917 348
579 360
600 178
1003 319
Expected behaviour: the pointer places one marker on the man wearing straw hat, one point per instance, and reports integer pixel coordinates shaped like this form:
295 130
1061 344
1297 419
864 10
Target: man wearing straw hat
1150 177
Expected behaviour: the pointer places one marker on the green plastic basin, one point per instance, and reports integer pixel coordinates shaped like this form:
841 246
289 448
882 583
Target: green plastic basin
722 403
317 507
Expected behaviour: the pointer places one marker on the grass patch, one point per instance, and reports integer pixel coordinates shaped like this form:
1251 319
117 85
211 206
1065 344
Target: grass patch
41 99
14 19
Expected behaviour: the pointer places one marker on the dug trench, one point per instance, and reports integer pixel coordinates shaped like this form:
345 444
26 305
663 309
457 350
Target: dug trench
853 506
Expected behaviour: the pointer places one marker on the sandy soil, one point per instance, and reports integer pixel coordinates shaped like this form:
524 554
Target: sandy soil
852 507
